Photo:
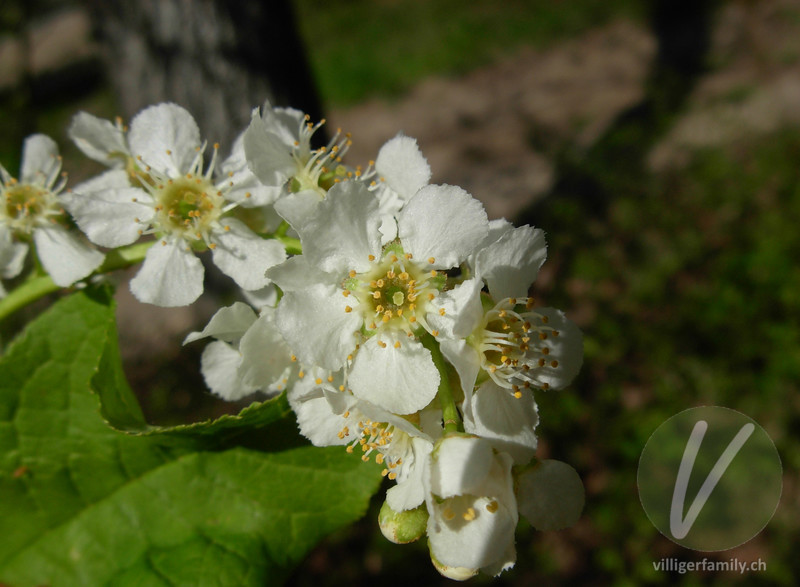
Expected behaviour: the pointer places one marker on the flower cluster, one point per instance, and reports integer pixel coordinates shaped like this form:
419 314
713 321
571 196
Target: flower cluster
392 312
404 333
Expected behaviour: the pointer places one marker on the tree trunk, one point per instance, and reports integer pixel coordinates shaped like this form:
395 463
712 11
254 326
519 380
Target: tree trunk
217 58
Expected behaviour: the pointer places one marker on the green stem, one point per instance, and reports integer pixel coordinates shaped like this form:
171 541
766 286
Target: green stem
450 416
40 285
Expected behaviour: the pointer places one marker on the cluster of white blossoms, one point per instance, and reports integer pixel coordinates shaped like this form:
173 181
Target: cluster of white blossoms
391 311
404 333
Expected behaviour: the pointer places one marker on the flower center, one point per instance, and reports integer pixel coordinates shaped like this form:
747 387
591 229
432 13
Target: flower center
27 205
188 206
514 344
394 293
319 169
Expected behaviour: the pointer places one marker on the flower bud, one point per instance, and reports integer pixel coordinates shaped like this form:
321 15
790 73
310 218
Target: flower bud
403 527
454 573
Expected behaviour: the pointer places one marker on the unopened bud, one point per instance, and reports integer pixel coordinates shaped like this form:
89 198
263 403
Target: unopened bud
454 573
403 527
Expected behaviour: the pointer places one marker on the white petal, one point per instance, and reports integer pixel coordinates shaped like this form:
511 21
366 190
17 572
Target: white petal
108 180
466 361
316 420
110 217
505 562
268 154
401 379
297 274
550 495
317 327
507 422
510 264
245 256
410 492
401 164
170 276
566 348
40 160
64 256
262 298
342 230
497 228
284 122
247 190
12 255
166 137
265 355
296 208
442 222
388 228
219 364
460 466
228 324
99 139
463 310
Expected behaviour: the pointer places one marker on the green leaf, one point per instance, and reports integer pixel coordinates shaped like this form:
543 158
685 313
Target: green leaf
84 504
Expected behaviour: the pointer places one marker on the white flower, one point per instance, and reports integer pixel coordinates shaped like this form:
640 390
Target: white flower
328 415
506 345
471 505
506 350
249 354
183 206
277 145
31 208
347 298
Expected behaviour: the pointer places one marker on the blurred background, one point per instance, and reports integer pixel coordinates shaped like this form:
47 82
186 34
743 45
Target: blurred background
656 142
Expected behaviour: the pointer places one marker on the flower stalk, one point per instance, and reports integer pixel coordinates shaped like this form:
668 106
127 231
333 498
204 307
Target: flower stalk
39 285
450 417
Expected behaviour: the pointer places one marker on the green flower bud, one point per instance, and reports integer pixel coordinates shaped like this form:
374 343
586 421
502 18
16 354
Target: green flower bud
403 527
